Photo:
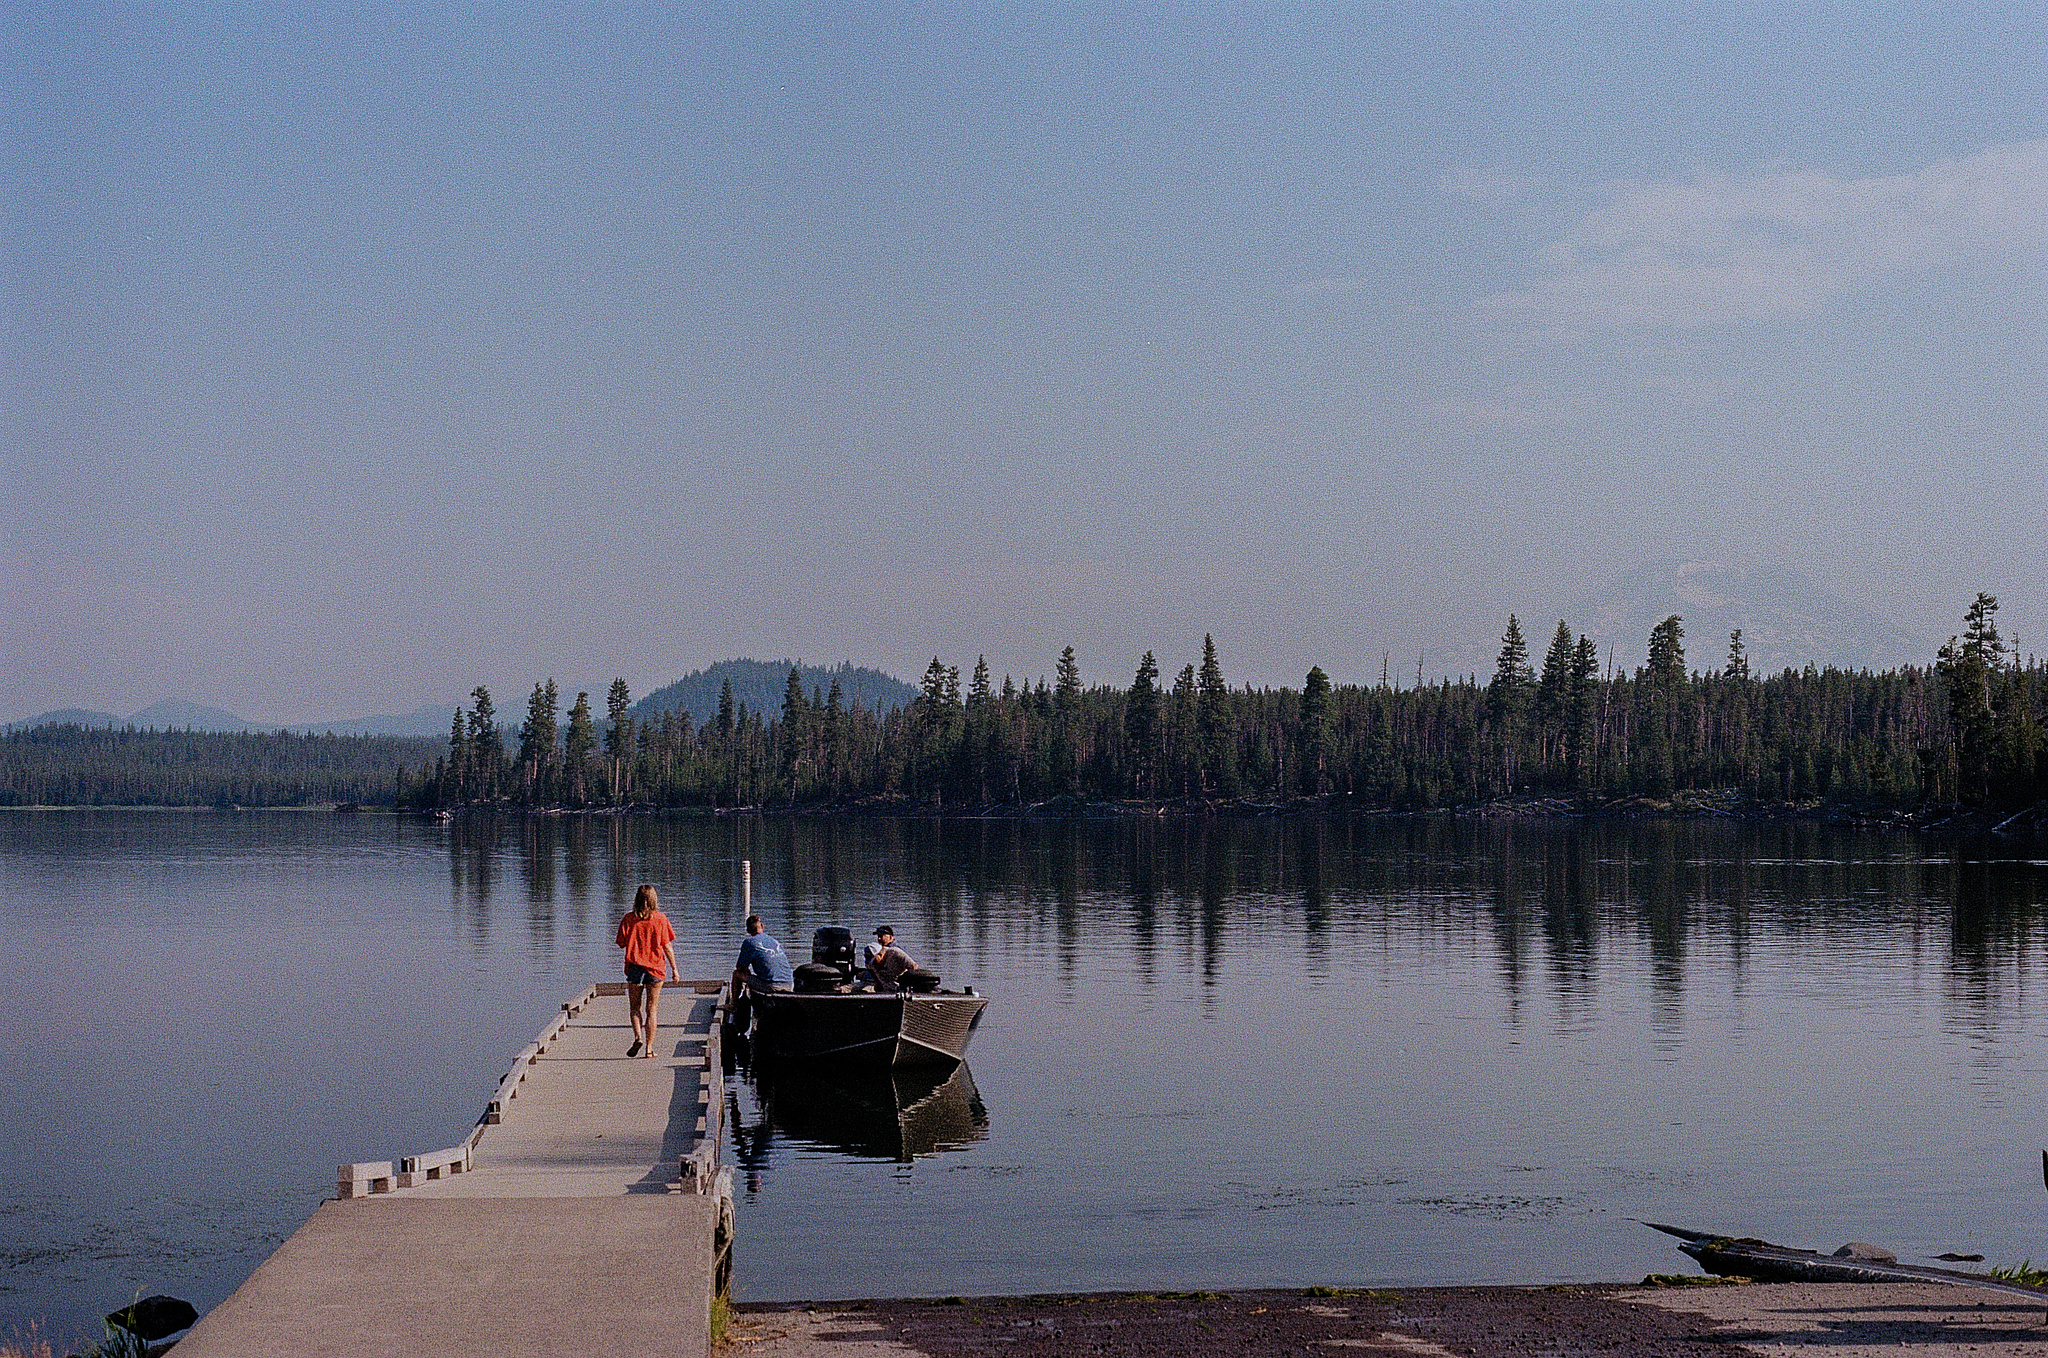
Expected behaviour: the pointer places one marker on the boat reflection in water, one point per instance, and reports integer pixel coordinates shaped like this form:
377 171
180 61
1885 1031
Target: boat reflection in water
870 1114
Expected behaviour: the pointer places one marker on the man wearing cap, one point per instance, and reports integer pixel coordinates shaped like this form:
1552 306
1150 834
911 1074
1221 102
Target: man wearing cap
882 962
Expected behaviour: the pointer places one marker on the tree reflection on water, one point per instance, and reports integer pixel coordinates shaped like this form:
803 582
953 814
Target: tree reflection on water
1545 892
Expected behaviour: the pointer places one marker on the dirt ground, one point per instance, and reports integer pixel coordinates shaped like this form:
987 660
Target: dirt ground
1765 1320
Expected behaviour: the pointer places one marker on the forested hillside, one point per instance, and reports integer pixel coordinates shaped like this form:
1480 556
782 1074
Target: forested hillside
759 684
1967 729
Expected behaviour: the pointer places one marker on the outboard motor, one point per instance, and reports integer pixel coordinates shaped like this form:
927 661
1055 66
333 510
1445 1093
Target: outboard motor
833 946
831 963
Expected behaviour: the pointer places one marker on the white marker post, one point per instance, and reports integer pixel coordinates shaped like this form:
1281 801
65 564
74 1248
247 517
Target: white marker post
746 887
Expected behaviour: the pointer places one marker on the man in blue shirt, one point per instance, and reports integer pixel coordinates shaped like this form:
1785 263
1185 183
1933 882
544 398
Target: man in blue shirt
762 965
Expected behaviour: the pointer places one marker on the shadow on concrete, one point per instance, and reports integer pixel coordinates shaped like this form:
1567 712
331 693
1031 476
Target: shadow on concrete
685 1106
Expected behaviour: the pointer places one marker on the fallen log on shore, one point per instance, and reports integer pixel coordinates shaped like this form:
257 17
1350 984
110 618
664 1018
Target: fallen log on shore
1747 1257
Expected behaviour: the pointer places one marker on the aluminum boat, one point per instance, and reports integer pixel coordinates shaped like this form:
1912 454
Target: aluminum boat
831 1018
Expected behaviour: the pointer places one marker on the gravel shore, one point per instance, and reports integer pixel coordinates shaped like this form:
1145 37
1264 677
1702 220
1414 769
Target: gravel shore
1763 1319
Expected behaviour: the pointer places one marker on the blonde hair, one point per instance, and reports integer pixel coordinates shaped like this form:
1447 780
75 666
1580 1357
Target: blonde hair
644 903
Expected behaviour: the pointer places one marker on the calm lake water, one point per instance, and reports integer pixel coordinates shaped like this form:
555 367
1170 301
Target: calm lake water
1231 1053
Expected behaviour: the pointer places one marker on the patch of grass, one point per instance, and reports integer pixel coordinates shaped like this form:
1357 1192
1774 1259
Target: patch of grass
721 1319
31 1345
1179 1296
1689 1280
1367 1293
2023 1272
119 1343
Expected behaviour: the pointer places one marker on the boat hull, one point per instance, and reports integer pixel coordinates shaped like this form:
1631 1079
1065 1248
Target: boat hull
866 1030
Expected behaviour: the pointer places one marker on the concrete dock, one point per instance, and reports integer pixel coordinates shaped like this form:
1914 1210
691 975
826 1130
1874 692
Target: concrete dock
585 1214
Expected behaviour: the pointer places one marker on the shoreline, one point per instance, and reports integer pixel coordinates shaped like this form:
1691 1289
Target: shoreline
1947 821
1729 1318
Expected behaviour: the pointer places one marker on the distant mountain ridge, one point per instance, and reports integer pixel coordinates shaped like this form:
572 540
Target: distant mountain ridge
1787 621
757 683
760 685
172 714
431 720
177 714
67 716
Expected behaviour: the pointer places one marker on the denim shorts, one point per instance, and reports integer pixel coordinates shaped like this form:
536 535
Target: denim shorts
640 976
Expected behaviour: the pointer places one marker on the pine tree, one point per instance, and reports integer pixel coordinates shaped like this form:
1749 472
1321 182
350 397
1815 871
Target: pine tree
794 734
1664 692
1553 691
1667 653
486 745
1382 762
537 744
1184 752
1065 752
1736 709
1067 680
1972 669
932 690
983 739
579 746
458 760
934 732
618 735
1508 698
726 747
1213 724
1312 751
1582 712
795 706
1141 729
832 752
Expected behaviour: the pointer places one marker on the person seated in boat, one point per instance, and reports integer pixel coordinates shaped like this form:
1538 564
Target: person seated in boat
762 964
882 963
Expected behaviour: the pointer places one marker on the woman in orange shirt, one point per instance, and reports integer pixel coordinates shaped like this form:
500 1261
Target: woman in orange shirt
649 941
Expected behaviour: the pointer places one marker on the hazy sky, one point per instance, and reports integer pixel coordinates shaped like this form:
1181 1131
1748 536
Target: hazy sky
353 359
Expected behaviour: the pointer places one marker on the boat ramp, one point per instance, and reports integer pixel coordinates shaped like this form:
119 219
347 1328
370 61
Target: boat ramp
586 1213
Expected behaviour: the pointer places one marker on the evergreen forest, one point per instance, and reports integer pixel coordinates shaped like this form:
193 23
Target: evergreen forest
64 764
1966 730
